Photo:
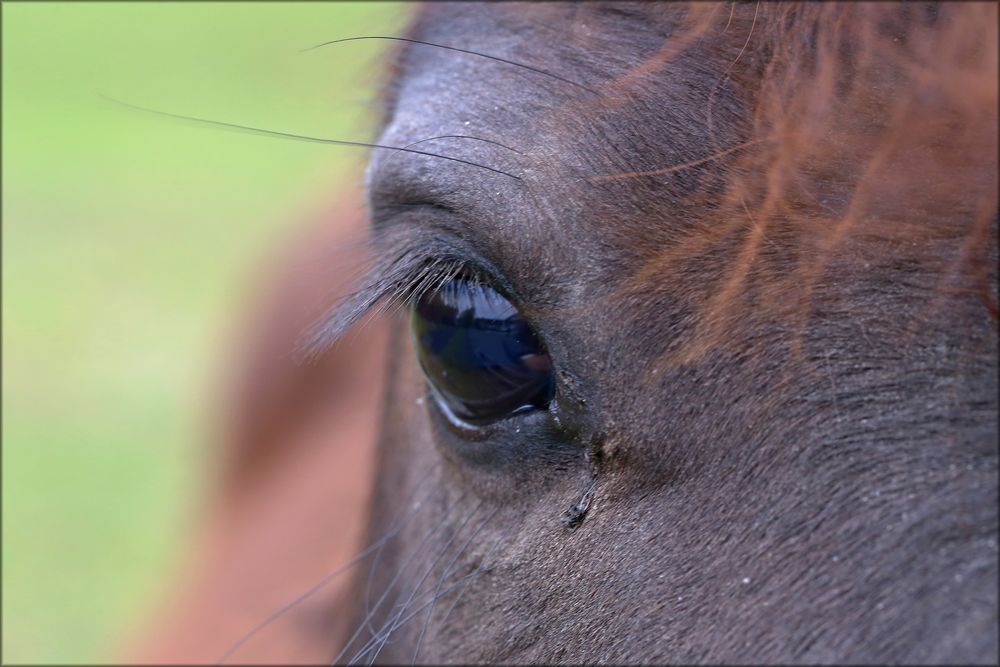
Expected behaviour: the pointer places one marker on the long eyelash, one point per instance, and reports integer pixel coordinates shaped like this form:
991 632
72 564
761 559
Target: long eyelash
395 283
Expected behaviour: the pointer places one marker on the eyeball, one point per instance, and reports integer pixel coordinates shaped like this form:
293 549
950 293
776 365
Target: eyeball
482 360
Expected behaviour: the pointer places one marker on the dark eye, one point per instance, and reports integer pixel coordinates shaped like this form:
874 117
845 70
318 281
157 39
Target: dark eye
482 359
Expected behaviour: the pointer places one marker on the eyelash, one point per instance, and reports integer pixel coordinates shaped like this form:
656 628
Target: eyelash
397 282
430 278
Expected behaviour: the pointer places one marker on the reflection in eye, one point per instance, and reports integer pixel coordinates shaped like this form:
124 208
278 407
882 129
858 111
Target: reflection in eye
481 358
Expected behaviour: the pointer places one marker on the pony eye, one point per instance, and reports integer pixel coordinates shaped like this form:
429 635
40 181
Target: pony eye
481 358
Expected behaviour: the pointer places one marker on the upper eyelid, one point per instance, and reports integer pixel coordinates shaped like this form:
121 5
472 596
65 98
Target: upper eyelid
383 215
399 187
436 229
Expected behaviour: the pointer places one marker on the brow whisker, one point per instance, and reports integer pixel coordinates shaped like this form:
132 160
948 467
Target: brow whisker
466 136
303 137
531 68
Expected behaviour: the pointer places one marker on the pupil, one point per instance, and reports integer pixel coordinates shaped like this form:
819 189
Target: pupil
479 355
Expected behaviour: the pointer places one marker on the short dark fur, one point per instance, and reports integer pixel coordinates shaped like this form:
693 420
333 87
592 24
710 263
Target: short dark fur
751 484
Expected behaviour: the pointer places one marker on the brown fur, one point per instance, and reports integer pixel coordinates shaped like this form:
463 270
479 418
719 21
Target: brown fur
291 477
828 198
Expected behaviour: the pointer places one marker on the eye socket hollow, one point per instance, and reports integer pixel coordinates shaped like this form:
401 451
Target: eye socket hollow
480 356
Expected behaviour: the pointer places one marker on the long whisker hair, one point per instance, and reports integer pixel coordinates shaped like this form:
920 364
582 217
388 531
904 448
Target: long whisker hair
372 610
369 610
395 525
394 620
465 136
444 575
431 599
530 68
301 137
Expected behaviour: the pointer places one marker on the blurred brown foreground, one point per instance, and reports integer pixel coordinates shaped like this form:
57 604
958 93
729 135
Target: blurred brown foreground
287 499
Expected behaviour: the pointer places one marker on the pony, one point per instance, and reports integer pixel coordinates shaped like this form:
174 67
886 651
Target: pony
684 319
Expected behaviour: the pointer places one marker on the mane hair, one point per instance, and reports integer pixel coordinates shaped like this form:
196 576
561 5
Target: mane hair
867 144
871 121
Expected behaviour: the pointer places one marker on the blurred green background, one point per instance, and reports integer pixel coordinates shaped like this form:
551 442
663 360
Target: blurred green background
126 239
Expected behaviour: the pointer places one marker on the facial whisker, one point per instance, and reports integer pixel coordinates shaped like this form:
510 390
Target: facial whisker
461 593
530 68
465 136
368 584
302 137
370 613
394 621
328 578
444 575
461 581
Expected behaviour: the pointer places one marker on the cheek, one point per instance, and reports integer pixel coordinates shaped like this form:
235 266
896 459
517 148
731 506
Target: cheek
413 511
